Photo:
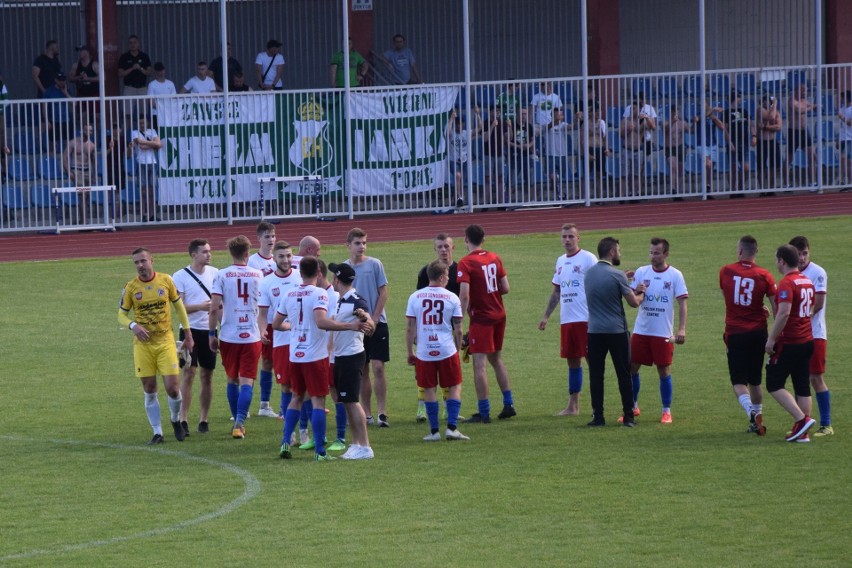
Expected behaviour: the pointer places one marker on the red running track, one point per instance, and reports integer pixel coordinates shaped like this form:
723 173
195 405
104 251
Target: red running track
174 238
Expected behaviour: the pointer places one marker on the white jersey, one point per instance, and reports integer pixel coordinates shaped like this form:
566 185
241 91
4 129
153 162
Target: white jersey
570 276
194 294
272 288
200 86
239 287
349 342
433 310
662 289
265 265
307 341
817 275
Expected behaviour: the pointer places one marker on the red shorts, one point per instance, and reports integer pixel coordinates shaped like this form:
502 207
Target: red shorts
651 350
281 364
331 375
486 337
311 378
240 359
817 364
446 372
574 340
266 349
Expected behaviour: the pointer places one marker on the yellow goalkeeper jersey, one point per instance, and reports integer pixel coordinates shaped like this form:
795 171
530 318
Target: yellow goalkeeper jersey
151 302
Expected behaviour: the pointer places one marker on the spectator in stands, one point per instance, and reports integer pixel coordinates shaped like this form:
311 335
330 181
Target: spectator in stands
556 140
269 66
159 87
509 101
55 113
494 146
769 124
116 158
201 83
673 130
216 71
798 137
705 135
521 145
845 116
543 103
358 68
458 151
400 61
4 148
46 67
740 135
598 145
78 163
84 73
634 127
145 143
134 68
239 85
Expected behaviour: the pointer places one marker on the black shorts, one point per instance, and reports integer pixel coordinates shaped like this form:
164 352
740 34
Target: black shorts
377 346
768 154
790 361
201 354
347 376
740 156
745 356
674 152
798 138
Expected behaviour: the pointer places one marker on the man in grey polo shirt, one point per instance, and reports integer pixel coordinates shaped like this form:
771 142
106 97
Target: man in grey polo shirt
608 332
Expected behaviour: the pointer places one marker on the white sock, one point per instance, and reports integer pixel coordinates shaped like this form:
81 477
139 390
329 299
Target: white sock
152 409
264 404
745 402
758 408
174 407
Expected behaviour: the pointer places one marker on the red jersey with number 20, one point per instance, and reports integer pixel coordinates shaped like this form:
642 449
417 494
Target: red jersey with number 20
796 289
744 286
483 270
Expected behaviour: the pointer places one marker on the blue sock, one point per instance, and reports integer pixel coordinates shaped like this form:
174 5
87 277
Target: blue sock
666 391
265 385
507 398
307 408
340 418
432 409
575 380
636 384
233 394
318 426
286 397
824 404
484 408
244 402
291 418
453 408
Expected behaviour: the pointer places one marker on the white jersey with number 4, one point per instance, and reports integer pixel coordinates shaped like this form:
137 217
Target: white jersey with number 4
239 287
662 290
570 276
433 310
818 276
272 289
265 265
307 341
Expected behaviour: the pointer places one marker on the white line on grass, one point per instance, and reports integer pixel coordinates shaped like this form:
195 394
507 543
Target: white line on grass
252 488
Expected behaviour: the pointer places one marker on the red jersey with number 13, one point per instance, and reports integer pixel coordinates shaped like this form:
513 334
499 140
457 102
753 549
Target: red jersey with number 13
744 286
796 289
483 270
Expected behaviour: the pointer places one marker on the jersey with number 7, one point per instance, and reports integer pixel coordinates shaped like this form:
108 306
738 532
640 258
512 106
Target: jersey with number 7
744 286
483 270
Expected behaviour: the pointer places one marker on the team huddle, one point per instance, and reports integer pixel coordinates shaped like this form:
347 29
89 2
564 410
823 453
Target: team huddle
322 331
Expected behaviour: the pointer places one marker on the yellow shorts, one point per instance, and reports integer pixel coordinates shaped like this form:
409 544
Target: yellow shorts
157 355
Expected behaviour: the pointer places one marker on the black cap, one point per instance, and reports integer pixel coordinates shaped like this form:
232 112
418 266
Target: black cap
158 66
344 272
273 43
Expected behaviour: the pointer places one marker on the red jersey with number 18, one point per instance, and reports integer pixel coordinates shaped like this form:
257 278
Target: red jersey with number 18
796 289
483 270
744 286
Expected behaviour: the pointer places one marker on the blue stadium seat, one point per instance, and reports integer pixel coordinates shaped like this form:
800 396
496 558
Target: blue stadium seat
720 85
13 198
827 131
50 168
746 83
130 194
613 138
723 163
795 78
689 139
667 87
830 159
689 111
692 164
25 142
613 116
692 86
643 85
613 167
750 107
41 196
828 108
800 160
20 170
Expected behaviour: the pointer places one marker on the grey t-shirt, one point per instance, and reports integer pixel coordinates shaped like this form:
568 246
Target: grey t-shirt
605 287
369 277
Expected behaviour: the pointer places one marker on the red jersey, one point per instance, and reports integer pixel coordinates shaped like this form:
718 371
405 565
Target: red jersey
483 270
744 286
796 289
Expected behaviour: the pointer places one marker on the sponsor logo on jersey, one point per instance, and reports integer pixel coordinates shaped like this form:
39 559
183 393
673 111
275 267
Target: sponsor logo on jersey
138 295
300 354
434 353
433 338
276 292
245 335
161 292
667 285
646 283
577 268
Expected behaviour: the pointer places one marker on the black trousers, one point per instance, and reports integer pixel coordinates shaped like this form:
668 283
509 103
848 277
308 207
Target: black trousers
618 347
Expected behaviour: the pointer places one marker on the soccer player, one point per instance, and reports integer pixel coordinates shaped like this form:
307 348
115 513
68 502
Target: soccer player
305 308
147 296
745 286
340 416
569 293
262 260
273 287
790 343
372 284
653 339
444 250
350 358
308 246
434 325
193 283
236 290
818 277
608 333
482 284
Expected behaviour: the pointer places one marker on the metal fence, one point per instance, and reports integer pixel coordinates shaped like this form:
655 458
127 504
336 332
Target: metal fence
466 138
